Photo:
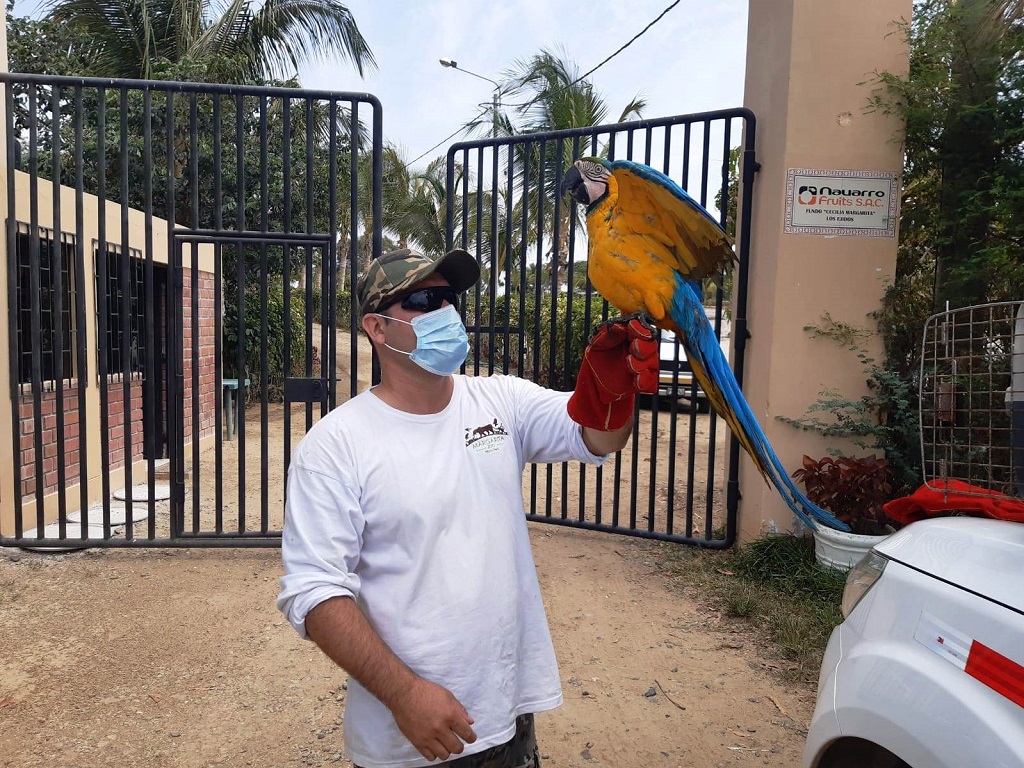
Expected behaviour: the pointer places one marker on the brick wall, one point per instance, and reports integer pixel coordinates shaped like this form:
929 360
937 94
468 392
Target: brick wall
207 368
45 434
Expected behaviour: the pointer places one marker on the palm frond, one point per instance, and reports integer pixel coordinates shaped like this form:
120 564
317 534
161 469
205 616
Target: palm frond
289 33
121 32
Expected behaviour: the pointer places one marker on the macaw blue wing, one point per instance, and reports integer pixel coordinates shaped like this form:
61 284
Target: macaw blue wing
711 369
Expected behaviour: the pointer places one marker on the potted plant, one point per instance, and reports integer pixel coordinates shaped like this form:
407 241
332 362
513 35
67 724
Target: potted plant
853 490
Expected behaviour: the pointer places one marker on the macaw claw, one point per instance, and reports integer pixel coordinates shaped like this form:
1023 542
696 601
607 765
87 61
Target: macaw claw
644 318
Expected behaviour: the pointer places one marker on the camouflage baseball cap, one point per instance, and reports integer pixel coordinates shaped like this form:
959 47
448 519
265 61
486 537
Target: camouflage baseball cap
396 271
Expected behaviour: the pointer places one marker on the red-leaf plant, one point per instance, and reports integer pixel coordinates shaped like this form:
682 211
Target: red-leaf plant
853 490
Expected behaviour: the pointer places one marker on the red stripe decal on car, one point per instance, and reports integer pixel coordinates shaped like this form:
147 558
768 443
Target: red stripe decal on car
997 672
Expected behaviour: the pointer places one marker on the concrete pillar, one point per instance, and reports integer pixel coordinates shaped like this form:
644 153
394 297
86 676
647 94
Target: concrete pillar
810 66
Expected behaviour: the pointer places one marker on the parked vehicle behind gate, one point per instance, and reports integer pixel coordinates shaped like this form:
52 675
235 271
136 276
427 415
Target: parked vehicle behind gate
927 670
675 378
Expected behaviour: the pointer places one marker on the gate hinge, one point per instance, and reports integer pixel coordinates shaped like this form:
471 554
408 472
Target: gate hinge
750 166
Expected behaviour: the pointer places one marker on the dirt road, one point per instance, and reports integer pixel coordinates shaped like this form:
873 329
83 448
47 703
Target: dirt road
179 658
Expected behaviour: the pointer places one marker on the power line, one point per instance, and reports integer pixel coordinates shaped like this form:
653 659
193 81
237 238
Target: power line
450 136
584 76
587 74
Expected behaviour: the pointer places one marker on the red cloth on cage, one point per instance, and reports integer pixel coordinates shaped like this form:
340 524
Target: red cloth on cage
953 496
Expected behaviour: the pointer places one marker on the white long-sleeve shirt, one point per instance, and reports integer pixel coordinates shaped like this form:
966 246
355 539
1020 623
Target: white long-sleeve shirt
420 519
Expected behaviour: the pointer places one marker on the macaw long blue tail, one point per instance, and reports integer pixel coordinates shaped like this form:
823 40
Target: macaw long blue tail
701 345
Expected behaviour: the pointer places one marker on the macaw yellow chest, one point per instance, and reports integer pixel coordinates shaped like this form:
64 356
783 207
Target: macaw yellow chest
628 265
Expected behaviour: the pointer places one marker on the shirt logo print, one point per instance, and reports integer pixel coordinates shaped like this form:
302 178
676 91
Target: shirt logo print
486 438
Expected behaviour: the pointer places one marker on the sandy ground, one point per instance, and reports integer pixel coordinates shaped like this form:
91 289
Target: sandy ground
179 658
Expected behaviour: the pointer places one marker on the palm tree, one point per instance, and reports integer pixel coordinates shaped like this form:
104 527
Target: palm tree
554 97
424 216
236 42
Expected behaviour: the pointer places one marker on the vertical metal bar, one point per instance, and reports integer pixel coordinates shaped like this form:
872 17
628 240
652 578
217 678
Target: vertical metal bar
264 319
378 180
479 250
509 176
684 180
173 325
739 323
495 260
82 422
195 288
286 268
553 311
13 313
670 494
57 259
102 329
587 292
566 341
330 356
538 278
705 163
449 202
667 150
524 239
218 326
353 260
35 323
240 277
308 273
125 310
149 374
709 496
286 111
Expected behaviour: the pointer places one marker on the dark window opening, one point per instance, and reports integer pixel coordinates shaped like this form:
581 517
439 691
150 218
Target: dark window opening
122 330
54 258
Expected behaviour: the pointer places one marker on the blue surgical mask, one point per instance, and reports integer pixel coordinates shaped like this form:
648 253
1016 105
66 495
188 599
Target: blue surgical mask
441 341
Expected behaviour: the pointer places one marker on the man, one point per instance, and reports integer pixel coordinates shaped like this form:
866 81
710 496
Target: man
406 551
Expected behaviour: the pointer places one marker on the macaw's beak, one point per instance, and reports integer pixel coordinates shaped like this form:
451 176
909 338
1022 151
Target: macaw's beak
572 184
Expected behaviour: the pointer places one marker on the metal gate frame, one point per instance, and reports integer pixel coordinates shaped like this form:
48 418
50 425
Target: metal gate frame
210 149
537 161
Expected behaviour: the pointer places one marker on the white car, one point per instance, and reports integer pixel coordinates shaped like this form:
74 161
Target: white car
675 377
927 669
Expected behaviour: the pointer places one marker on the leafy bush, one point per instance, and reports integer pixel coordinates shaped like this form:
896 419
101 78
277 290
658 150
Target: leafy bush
255 341
885 419
551 357
854 490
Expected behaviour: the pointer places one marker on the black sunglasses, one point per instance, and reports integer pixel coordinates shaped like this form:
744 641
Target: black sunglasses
425 299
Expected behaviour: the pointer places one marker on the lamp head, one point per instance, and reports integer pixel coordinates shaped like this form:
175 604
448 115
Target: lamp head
449 63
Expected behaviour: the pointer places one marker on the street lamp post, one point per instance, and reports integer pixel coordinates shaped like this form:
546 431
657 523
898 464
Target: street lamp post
452 64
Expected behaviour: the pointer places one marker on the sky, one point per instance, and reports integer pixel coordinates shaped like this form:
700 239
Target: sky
692 60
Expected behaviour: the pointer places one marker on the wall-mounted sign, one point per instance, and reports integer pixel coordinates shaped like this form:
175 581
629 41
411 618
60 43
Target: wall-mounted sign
858 203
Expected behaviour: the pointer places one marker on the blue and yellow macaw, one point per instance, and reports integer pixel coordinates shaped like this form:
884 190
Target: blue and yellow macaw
650 246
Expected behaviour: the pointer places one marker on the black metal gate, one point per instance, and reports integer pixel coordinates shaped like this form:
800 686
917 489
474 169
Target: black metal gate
178 257
534 310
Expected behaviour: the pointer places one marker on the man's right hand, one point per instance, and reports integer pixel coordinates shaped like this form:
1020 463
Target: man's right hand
433 720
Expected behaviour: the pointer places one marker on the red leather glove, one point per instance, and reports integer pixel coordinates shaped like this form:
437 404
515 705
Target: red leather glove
620 362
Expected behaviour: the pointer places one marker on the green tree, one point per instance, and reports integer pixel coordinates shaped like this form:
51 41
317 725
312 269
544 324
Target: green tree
962 208
236 43
43 46
962 217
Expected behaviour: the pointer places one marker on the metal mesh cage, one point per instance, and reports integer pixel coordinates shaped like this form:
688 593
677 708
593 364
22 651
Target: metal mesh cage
972 397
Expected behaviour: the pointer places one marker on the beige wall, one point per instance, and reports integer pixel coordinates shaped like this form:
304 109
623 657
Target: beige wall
807 63
89 442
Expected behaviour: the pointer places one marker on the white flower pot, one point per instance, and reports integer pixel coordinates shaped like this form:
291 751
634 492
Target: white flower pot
840 550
